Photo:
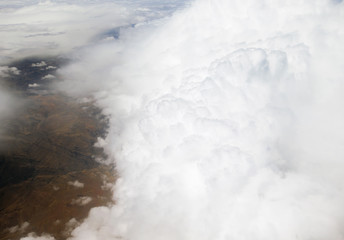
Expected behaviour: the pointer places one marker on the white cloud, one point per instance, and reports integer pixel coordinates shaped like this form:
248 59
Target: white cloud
100 142
76 184
81 201
6 71
50 67
39 64
34 85
53 28
33 236
48 76
226 123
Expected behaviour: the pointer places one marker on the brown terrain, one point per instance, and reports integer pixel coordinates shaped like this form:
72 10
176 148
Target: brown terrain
49 178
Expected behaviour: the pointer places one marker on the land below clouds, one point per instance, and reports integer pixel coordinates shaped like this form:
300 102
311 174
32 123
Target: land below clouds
49 176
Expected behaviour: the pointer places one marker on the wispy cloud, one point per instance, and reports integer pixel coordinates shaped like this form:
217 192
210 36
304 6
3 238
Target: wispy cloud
57 27
54 27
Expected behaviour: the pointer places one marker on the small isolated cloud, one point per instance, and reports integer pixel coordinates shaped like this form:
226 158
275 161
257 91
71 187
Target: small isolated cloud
81 201
40 64
34 85
76 184
50 67
48 76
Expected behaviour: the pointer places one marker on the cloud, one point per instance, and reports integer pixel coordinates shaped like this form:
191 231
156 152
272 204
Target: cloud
59 27
225 123
50 67
76 184
34 85
54 28
48 76
70 225
6 71
33 236
81 201
39 64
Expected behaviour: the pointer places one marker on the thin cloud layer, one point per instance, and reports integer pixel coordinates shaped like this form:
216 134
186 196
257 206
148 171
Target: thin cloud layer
226 123
54 28
57 27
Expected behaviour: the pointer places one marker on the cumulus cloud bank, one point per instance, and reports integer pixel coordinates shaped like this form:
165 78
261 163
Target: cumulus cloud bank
226 122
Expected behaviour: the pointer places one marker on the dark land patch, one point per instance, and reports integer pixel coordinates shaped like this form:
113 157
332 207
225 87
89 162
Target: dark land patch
35 70
49 176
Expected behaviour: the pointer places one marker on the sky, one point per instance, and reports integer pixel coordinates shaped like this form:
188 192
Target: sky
226 116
